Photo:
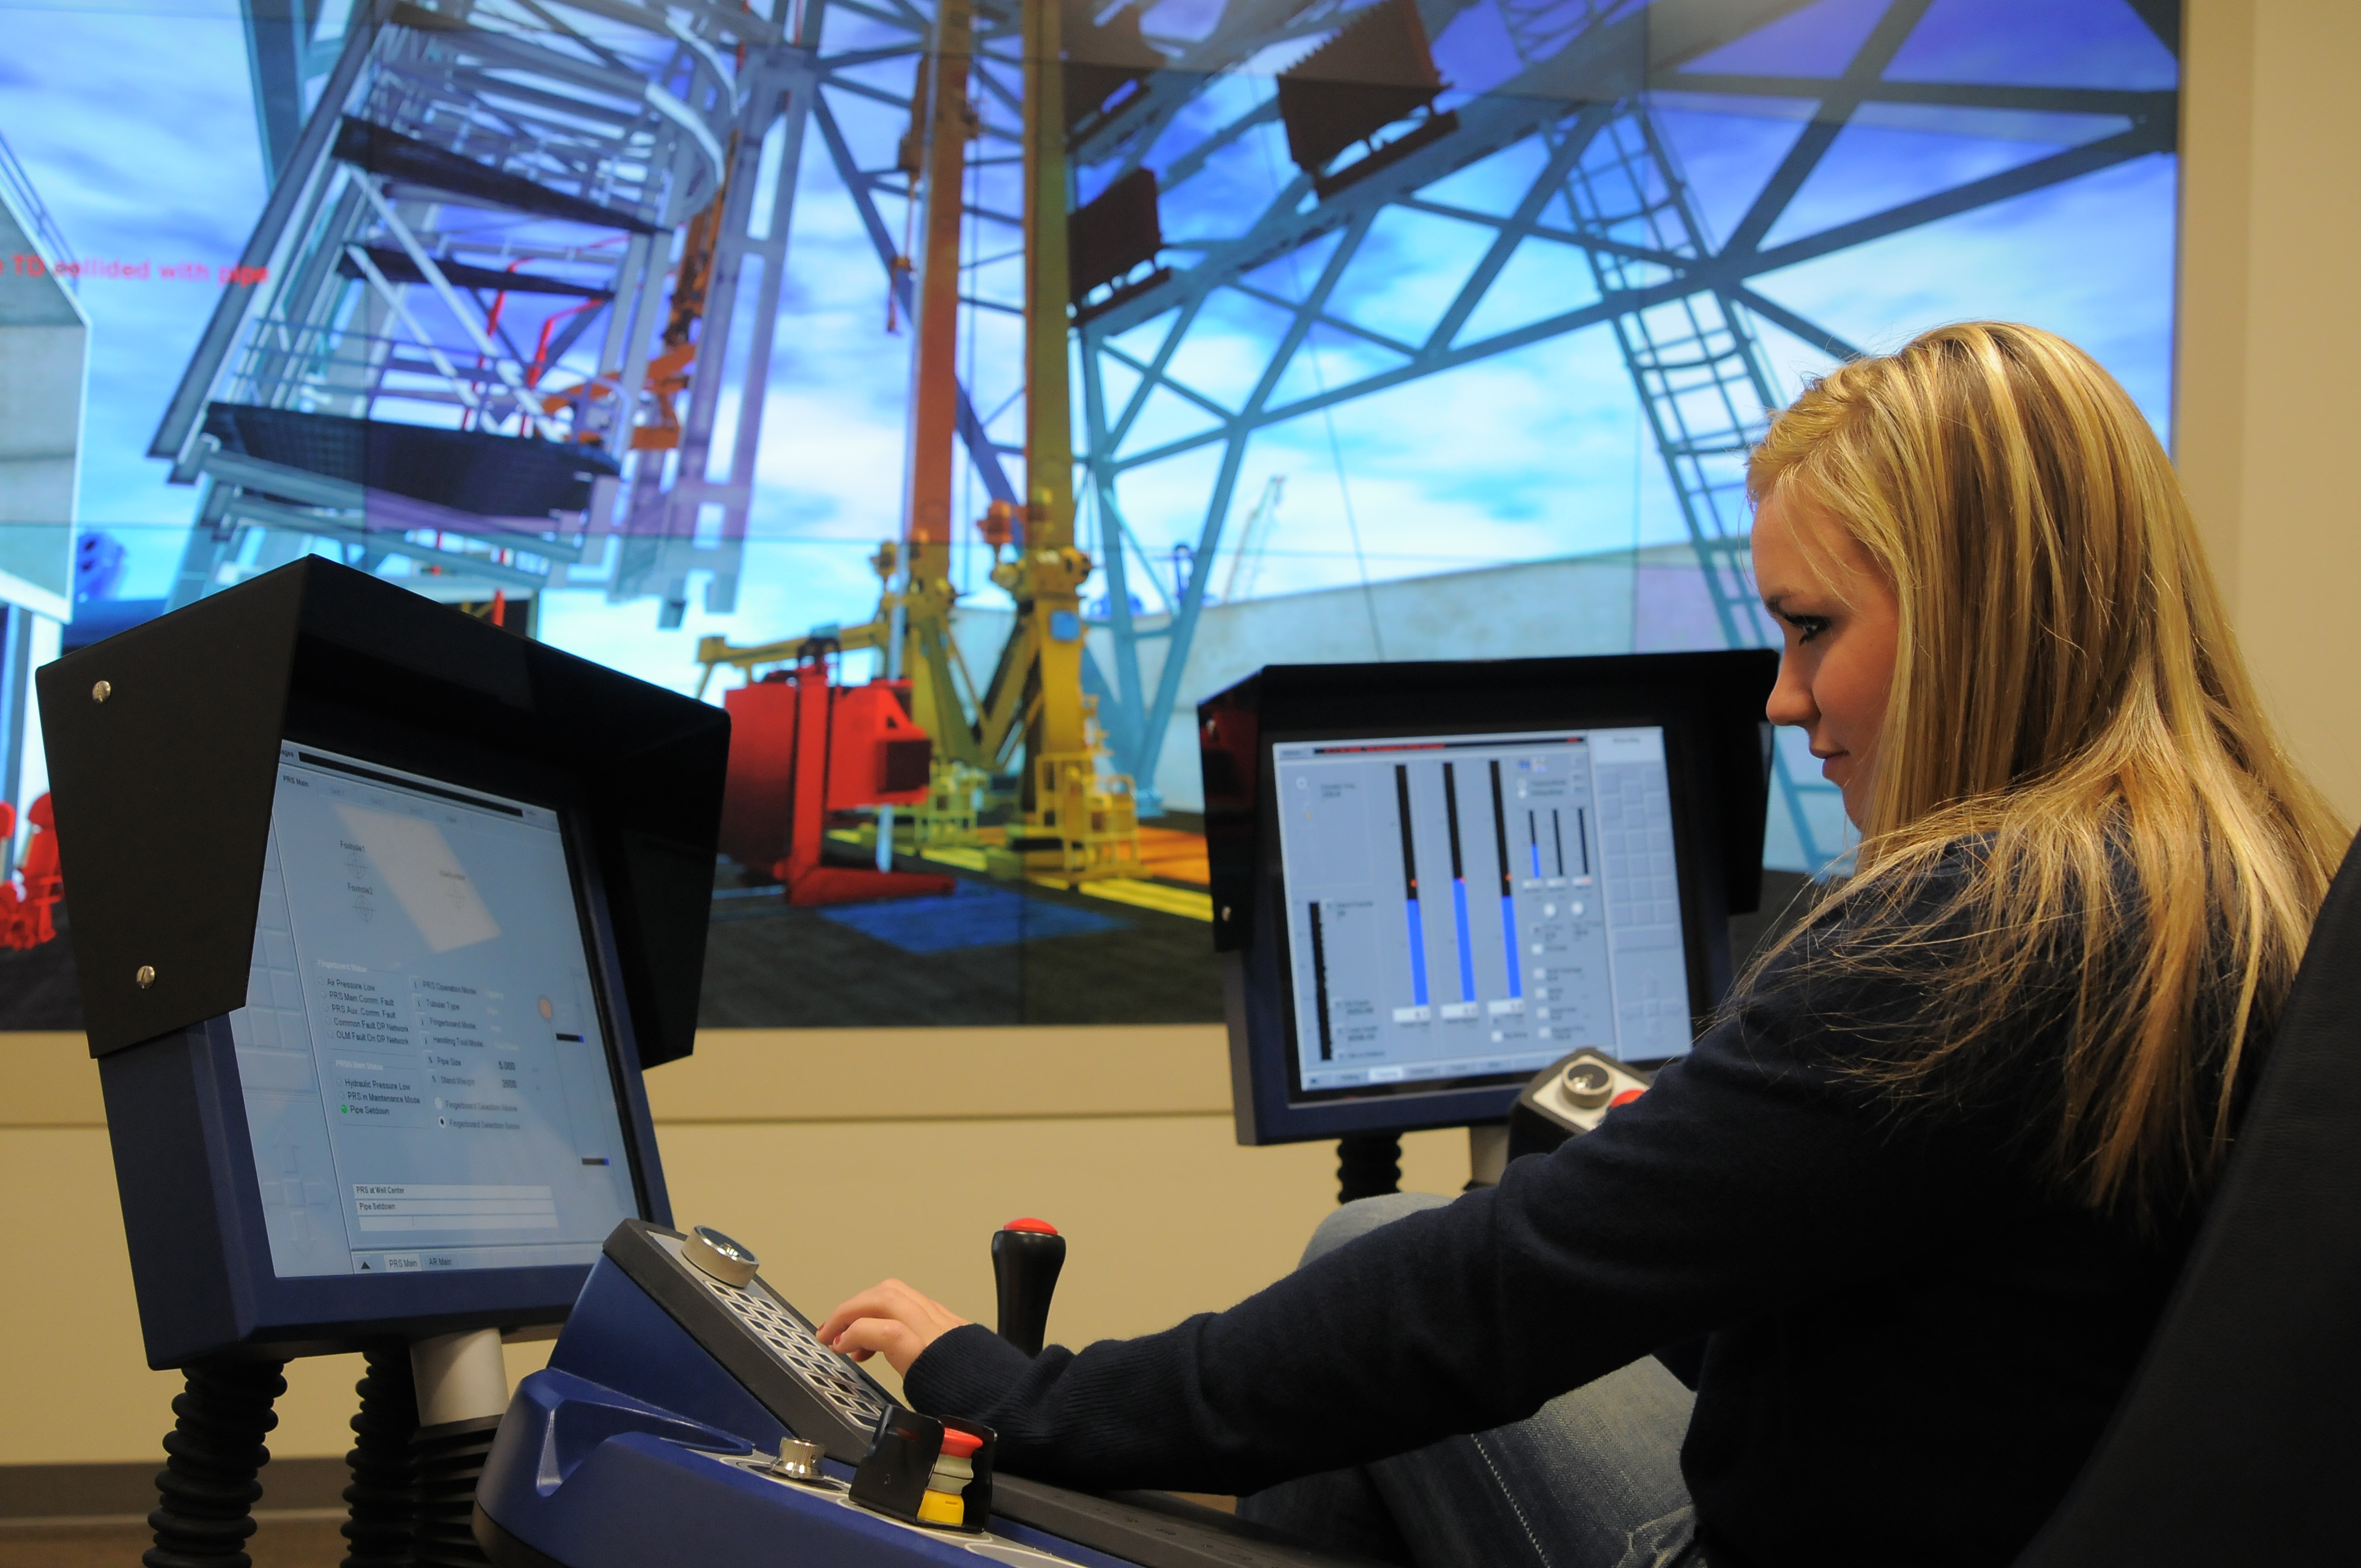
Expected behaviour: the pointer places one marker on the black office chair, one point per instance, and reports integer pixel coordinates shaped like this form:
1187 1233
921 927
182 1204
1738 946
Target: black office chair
2240 1438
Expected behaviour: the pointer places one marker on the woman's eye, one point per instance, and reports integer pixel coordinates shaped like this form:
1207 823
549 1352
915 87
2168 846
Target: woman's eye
1808 626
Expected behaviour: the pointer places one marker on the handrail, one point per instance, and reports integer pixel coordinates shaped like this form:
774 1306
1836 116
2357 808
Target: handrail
47 238
180 421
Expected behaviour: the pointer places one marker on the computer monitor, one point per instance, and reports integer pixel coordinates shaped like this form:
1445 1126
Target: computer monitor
425 1066
1433 881
380 912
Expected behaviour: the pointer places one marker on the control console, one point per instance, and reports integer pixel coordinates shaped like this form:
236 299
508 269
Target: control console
689 1414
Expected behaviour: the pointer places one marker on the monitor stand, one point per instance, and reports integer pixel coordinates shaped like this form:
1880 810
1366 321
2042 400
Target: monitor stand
206 1491
1369 1165
1488 1154
427 1416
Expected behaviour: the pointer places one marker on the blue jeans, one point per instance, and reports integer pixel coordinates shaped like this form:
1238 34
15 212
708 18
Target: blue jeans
1591 1480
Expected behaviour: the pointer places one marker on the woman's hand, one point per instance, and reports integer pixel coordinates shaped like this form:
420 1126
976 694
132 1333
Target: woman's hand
889 1319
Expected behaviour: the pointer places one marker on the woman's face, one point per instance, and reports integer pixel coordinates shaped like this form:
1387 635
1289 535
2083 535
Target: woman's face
1841 623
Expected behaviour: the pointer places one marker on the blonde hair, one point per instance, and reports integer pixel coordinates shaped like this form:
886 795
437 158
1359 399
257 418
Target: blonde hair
2071 747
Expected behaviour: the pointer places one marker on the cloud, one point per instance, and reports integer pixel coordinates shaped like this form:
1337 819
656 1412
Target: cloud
139 129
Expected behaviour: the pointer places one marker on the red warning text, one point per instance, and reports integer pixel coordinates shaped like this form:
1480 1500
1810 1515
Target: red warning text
23 264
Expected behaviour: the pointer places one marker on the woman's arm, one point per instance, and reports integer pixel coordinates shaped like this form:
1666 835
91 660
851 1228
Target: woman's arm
1754 1175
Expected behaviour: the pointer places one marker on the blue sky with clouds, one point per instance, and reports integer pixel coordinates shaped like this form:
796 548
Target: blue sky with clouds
135 120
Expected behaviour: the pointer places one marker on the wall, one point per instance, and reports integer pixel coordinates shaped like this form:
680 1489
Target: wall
2266 403
847 1155
841 1157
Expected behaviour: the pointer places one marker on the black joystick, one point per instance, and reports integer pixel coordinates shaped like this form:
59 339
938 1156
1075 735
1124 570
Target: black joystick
1025 1258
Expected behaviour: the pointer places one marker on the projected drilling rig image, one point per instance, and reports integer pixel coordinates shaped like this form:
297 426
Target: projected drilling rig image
511 325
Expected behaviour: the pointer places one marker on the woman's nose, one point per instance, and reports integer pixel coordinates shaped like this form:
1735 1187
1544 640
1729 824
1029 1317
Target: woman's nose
1791 698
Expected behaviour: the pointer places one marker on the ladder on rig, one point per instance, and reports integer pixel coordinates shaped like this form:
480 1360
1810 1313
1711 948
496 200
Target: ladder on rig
1703 385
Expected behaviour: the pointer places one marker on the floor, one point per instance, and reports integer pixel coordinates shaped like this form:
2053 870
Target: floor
992 953
992 959
298 1538
1002 953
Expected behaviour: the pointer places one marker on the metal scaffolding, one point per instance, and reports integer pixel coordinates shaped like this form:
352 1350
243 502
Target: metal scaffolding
466 173
1683 303
1680 305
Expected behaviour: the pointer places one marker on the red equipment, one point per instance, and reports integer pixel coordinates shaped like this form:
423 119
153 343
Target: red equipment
25 919
801 746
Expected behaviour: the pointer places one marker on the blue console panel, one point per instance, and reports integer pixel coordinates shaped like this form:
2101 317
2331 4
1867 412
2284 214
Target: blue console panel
587 1478
646 1443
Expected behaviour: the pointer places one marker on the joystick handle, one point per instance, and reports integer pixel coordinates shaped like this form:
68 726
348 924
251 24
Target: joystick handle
1025 1258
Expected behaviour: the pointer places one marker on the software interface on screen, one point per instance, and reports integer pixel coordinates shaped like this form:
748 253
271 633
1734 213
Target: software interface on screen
425 1071
1480 905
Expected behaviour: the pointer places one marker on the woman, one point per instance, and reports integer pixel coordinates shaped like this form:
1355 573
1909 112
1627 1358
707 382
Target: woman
1926 1181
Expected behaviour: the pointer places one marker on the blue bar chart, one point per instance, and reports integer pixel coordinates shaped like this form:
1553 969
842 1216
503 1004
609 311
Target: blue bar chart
1535 952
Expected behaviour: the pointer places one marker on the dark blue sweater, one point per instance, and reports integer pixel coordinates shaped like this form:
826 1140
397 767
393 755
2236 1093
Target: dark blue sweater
1914 1340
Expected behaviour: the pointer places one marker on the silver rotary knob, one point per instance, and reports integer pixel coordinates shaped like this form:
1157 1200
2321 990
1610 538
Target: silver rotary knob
1588 1084
731 1262
798 1460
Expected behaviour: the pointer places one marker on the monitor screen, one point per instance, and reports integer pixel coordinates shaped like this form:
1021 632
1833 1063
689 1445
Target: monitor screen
423 1057
1467 909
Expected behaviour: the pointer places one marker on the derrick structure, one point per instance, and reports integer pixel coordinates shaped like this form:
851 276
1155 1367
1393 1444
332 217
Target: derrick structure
469 328
1696 363
1681 301
1599 180
1075 820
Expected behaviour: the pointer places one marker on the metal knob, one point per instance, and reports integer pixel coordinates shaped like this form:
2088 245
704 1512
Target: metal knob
732 1263
799 1459
1588 1084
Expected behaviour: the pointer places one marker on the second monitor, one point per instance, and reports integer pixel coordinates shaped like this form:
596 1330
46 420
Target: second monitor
1537 905
1431 881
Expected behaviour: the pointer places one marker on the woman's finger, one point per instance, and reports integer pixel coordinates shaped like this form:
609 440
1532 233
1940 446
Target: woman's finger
896 1342
918 1317
873 1302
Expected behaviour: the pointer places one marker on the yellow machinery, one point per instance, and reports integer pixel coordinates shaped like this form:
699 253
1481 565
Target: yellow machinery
1075 821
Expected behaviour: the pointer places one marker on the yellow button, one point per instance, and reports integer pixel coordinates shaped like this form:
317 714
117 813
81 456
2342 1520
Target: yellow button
941 1508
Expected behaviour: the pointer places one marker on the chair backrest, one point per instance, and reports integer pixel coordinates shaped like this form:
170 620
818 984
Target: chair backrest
2239 1440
